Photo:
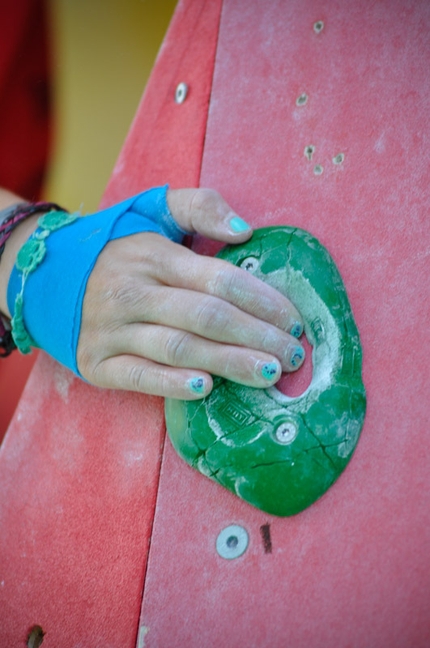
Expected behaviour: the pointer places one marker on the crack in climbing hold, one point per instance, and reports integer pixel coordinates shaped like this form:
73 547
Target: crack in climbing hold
299 445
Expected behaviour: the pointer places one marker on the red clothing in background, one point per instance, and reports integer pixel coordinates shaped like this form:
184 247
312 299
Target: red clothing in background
24 96
24 139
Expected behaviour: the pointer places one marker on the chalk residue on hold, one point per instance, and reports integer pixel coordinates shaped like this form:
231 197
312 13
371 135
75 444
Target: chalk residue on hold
310 305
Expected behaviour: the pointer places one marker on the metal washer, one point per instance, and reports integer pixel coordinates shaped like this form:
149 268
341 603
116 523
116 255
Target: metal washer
181 93
232 542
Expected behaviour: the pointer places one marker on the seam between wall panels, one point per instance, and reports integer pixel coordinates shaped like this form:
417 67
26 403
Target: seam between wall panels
202 150
141 630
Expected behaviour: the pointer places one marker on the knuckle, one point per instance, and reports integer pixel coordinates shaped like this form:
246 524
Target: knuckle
162 383
86 357
119 303
204 199
232 284
148 304
138 377
270 340
224 282
124 294
210 315
176 348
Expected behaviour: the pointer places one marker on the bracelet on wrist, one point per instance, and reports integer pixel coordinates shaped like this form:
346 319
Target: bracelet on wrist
7 345
10 218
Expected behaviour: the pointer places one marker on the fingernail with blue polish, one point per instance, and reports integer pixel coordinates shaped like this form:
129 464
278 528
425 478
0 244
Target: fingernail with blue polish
197 385
297 356
270 370
297 329
237 224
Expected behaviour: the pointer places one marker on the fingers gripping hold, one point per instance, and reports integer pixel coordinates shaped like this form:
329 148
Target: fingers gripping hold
168 319
177 348
147 377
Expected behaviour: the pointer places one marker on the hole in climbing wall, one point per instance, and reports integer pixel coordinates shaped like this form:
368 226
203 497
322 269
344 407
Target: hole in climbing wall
309 151
295 383
35 637
339 158
302 100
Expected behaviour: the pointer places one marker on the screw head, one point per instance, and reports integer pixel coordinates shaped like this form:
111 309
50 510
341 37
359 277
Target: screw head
232 542
181 93
250 264
286 432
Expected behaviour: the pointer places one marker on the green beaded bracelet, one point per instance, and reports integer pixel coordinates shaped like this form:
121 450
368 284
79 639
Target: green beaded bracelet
28 259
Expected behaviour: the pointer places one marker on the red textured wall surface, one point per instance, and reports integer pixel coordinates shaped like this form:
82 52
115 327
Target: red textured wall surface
353 569
80 467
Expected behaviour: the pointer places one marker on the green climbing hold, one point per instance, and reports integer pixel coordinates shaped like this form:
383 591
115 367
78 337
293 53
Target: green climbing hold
277 452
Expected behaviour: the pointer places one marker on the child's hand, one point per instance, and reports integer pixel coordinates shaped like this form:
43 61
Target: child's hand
158 318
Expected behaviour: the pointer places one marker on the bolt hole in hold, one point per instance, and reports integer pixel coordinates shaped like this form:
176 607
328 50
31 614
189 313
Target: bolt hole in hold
318 169
318 26
296 383
302 100
339 158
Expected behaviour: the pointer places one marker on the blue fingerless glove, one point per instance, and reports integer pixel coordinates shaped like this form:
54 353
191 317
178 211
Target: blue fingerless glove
48 301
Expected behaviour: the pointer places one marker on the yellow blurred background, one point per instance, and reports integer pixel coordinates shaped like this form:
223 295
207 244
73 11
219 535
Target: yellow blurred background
103 52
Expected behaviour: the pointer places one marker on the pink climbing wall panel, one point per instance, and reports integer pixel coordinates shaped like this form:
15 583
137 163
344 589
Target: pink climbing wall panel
79 466
353 569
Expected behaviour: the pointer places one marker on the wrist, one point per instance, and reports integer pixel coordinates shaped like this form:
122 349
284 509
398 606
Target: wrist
17 222
12 247
9 199
46 287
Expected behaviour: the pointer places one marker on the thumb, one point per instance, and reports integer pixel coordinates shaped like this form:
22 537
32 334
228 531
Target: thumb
205 212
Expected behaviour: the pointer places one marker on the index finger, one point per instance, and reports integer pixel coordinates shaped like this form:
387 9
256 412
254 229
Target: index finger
222 279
